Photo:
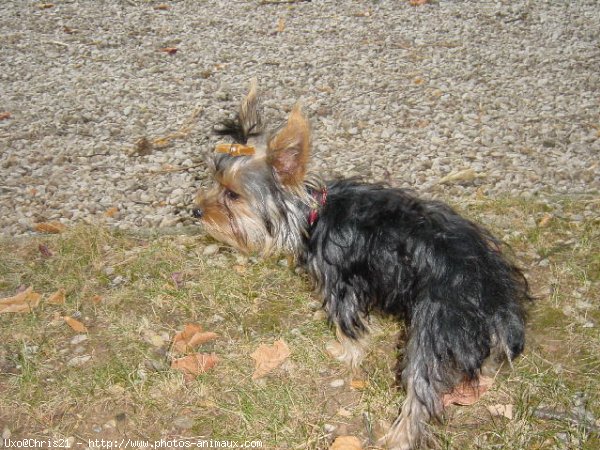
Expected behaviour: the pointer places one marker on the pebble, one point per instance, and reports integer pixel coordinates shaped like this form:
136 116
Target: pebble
78 360
477 90
329 428
211 249
78 339
337 383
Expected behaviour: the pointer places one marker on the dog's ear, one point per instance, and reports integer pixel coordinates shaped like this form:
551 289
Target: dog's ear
249 115
289 149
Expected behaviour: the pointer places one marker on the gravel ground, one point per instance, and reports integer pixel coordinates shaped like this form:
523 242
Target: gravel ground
507 90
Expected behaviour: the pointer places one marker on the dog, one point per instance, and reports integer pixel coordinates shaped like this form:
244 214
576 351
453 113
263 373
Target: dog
371 249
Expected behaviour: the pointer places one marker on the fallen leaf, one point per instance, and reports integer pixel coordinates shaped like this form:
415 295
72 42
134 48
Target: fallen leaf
142 147
58 298
22 302
45 5
359 385
96 299
169 50
45 251
465 175
75 324
346 443
194 365
240 269
366 13
281 25
191 337
161 7
4 115
49 227
545 220
468 392
501 410
111 212
418 2
268 357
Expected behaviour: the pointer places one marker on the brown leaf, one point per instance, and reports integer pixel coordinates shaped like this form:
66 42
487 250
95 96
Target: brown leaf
545 220
359 385
169 50
4 115
268 357
191 337
501 410
45 251
49 227
111 212
346 443
281 25
195 364
22 302
45 5
468 392
58 298
161 7
418 2
75 324
142 147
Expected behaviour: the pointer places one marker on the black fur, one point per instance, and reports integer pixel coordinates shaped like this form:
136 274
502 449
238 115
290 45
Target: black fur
384 250
234 129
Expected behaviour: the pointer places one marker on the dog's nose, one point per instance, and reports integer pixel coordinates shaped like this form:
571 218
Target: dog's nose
197 212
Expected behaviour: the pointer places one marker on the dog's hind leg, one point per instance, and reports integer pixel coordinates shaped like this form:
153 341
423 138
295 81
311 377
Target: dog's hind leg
349 350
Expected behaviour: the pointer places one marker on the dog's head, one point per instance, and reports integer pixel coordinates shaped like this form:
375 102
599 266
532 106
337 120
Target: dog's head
255 201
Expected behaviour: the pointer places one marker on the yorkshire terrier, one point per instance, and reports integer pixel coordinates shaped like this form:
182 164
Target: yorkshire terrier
371 248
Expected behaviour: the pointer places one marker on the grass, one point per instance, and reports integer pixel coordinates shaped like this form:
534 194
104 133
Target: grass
126 389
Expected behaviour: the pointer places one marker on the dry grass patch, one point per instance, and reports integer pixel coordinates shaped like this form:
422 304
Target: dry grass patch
134 293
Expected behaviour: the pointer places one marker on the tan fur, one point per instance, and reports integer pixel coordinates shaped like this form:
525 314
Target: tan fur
288 151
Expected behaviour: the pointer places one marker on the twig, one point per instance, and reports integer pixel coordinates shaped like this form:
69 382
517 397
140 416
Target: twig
574 419
62 44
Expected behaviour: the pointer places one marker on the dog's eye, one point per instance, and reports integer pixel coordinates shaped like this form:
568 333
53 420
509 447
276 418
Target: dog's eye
229 194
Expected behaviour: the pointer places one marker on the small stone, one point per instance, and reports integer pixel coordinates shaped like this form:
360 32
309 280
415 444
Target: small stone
544 262
328 428
78 360
78 339
6 433
211 249
337 383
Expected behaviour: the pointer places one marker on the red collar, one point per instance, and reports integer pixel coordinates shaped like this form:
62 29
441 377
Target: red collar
321 198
